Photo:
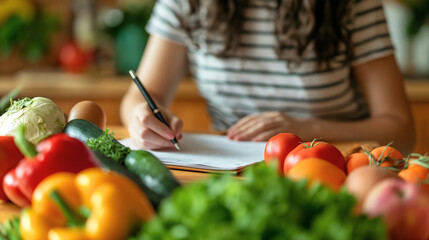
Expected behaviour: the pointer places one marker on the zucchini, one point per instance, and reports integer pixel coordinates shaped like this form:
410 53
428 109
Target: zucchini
151 171
83 130
107 163
152 176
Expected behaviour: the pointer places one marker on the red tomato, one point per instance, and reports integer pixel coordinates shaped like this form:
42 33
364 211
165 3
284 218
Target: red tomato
315 149
73 59
278 147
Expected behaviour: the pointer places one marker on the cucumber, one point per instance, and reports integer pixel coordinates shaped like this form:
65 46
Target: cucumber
152 172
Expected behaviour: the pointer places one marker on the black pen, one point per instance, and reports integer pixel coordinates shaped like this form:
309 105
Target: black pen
152 105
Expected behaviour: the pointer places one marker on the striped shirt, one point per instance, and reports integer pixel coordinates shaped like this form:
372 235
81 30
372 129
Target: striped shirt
253 79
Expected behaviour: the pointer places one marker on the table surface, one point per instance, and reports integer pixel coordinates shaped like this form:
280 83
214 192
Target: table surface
8 210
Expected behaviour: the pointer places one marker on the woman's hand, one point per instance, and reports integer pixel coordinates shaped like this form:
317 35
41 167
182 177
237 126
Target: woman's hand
147 132
261 127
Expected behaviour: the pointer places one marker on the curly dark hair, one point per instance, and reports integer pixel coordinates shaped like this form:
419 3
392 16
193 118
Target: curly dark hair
324 23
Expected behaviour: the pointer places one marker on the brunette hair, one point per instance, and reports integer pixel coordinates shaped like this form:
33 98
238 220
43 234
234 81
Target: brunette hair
324 23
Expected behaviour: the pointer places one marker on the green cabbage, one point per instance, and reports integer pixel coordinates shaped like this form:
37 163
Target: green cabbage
40 115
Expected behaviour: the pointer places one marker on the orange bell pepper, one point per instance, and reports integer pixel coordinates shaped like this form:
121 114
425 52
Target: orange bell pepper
94 204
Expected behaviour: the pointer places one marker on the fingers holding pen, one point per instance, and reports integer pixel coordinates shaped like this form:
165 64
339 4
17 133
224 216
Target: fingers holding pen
175 123
147 139
148 132
150 121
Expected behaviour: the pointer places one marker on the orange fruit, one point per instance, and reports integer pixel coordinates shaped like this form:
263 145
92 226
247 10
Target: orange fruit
392 155
416 174
318 170
356 160
389 152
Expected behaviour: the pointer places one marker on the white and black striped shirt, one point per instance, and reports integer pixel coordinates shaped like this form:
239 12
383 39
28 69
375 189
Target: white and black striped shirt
252 79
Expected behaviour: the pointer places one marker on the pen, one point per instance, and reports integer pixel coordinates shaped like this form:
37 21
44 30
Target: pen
152 105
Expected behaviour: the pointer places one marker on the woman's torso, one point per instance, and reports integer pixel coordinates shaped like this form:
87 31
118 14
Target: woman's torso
252 79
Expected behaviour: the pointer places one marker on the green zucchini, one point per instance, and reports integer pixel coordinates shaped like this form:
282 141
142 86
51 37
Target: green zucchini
151 171
83 130
107 163
152 176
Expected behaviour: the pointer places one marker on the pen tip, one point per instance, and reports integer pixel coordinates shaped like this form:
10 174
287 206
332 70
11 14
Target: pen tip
177 146
133 75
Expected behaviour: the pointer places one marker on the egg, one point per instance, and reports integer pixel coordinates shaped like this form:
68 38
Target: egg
90 111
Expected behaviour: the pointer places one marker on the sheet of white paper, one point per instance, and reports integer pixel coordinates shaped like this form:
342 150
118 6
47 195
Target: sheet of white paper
210 152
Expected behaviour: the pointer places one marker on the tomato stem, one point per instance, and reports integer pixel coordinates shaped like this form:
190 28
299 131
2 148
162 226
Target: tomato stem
312 144
407 161
370 156
381 159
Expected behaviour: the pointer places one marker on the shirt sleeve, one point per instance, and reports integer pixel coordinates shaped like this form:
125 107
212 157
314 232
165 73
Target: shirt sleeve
165 21
370 35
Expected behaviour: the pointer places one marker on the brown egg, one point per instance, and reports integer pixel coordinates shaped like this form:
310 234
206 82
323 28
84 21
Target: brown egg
89 111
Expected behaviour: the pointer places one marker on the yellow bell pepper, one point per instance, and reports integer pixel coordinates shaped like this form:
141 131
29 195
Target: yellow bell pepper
94 204
22 8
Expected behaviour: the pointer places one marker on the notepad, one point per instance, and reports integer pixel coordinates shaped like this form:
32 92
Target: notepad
209 152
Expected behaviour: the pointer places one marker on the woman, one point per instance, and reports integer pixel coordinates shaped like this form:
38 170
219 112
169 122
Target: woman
316 68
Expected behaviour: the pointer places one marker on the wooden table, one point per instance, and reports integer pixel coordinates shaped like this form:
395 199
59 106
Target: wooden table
8 210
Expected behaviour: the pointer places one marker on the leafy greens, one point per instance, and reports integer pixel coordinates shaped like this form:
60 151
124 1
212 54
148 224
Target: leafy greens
261 206
9 230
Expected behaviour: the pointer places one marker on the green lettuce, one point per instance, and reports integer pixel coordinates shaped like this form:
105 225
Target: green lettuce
262 205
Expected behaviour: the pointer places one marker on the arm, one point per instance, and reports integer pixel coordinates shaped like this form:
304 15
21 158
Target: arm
390 117
161 69
390 120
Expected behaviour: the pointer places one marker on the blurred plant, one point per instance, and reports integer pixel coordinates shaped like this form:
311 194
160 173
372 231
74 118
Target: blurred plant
130 4
127 13
126 26
24 26
419 15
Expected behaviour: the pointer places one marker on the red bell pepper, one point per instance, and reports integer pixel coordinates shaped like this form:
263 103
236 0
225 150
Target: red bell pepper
11 189
9 158
57 153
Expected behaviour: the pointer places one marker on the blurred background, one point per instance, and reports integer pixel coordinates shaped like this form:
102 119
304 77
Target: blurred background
74 50
76 36
84 36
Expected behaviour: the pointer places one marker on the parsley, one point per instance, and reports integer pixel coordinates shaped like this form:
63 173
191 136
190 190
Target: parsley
107 144
9 230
